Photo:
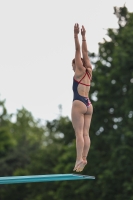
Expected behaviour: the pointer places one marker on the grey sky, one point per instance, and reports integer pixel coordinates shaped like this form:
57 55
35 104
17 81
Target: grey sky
37 46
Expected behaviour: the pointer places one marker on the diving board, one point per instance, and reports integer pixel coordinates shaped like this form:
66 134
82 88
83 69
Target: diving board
43 178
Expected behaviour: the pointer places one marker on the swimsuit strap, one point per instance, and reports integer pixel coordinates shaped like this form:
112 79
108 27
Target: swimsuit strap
88 75
84 84
83 77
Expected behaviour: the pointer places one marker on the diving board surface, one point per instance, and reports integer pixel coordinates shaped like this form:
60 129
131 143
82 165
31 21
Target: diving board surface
43 178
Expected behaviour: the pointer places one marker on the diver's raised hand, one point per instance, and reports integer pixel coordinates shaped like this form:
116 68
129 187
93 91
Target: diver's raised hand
83 31
76 29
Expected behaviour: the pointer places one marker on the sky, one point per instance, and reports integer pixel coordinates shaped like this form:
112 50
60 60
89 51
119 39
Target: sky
37 47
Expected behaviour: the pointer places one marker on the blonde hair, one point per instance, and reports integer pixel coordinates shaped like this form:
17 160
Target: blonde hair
73 61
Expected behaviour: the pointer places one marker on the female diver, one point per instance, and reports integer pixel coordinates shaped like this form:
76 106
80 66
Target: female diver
82 108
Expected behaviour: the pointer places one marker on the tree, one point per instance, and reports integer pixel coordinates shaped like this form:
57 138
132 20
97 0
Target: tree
60 130
112 89
27 135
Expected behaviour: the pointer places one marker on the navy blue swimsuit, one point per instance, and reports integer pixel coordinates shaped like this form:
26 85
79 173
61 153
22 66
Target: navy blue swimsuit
85 100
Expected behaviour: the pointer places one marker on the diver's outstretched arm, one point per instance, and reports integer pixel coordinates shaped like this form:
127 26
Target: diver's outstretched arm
85 50
78 61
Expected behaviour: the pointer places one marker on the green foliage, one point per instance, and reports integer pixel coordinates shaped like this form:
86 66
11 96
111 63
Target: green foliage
6 139
58 133
112 90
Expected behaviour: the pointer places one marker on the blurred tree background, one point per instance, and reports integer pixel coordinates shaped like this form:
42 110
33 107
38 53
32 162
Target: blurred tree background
27 147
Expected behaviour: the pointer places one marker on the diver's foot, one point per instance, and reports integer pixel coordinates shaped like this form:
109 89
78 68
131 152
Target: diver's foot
77 164
81 166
